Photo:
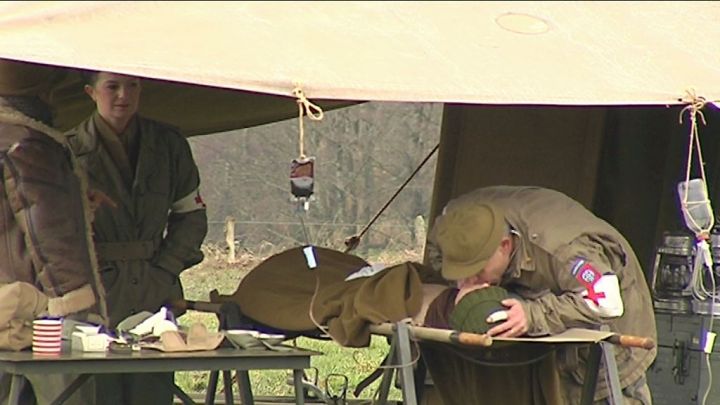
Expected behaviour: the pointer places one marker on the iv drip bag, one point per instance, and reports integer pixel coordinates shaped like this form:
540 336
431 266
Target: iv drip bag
695 205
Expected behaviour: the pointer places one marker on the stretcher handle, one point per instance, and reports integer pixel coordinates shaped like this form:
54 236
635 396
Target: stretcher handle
472 339
632 341
437 335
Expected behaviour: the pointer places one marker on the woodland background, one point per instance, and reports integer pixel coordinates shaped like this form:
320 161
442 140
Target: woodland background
363 154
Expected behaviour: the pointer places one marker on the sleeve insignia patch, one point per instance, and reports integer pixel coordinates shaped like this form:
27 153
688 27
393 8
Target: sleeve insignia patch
588 276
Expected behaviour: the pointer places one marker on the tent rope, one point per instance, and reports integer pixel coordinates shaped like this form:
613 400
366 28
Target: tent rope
694 107
305 107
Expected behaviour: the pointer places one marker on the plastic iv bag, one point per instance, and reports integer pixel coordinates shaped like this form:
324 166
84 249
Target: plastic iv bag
695 205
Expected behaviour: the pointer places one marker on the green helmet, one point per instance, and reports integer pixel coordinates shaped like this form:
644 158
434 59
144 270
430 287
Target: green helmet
470 314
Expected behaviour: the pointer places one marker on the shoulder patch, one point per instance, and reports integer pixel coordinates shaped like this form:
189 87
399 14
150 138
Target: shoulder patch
585 272
577 266
588 276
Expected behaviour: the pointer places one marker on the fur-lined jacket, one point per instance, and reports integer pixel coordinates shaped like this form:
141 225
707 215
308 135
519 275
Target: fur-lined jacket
47 259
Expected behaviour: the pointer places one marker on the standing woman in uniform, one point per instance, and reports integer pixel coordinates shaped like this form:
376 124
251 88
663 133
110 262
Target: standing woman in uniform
157 225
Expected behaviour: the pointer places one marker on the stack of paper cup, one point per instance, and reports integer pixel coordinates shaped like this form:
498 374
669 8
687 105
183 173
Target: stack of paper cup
47 336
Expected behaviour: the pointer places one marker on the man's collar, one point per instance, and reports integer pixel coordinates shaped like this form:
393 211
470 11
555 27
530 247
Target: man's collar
520 259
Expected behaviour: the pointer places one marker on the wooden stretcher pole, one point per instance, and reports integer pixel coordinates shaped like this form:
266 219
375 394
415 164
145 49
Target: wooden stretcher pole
632 341
437 335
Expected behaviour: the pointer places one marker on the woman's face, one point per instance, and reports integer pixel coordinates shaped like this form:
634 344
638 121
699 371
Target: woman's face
116 96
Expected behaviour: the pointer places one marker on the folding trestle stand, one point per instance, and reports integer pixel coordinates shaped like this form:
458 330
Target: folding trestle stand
412 380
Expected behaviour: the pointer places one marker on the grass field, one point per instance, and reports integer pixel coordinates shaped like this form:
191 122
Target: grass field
216 273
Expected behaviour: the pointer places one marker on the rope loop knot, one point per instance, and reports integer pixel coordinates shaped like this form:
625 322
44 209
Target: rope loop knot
305 107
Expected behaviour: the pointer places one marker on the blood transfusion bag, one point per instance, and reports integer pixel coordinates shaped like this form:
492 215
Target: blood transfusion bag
302 180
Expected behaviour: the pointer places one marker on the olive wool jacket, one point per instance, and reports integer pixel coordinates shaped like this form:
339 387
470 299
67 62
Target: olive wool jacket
146 241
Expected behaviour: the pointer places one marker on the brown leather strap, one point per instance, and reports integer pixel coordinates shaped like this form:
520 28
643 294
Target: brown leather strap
135 250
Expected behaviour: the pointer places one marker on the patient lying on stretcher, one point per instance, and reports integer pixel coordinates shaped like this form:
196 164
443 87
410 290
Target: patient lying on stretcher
342 294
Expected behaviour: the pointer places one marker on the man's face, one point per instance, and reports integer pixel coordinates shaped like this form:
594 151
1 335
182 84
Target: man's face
495 267
117 96
498 263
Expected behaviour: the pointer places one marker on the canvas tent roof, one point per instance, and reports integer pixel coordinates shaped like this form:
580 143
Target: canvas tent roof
226 65
558 53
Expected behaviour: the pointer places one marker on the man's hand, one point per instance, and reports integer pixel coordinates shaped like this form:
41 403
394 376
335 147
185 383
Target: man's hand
97 198
516 324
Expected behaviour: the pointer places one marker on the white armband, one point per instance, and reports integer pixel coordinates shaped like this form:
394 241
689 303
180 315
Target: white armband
605 299
602 291
190 202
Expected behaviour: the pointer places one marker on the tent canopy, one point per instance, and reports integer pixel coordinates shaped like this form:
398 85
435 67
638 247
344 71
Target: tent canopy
224 65
553 53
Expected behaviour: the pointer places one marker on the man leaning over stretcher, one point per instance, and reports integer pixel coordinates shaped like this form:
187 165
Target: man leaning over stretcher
568 267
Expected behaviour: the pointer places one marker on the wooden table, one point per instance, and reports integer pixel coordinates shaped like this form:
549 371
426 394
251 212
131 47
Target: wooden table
151 361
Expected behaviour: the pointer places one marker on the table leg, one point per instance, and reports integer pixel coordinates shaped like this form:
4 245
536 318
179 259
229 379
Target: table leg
211 388
613 380
299 392
181 395
227 385
246 394
67 392
17 384
591 374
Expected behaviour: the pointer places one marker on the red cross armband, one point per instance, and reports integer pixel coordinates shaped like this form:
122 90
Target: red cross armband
602 291
190 202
